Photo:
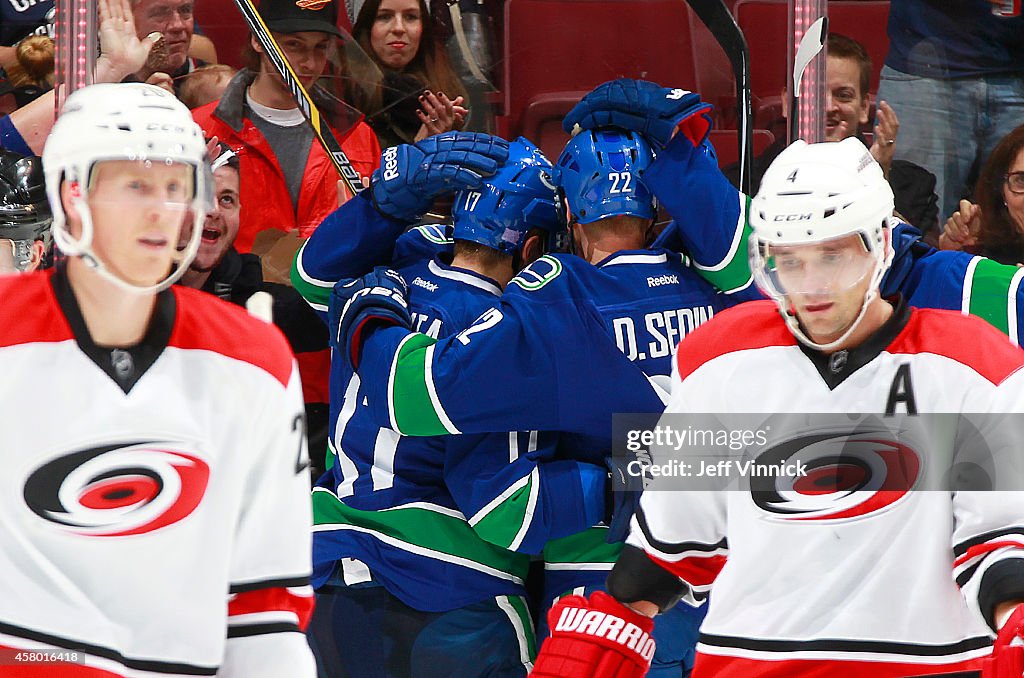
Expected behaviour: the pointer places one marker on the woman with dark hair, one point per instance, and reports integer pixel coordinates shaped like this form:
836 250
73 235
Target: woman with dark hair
408 89
994 224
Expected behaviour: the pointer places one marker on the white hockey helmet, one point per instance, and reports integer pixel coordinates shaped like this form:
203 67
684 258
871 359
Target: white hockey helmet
124 121
814 193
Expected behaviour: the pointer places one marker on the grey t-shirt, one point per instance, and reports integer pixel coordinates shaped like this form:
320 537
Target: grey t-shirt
291 146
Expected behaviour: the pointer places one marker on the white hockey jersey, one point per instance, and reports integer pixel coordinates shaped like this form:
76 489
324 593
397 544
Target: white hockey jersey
154 501
890 588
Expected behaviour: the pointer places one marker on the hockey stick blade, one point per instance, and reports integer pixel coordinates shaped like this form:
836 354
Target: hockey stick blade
719 20
810 45
309 110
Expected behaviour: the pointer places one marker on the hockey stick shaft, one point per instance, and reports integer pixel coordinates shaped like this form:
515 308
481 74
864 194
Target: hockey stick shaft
811 44
716 16
309 110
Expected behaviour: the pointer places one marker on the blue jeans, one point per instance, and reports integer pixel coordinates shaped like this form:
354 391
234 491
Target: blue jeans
948 125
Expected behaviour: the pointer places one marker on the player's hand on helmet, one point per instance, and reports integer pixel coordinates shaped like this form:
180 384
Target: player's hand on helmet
645 107
595 638
1007 660
360 304
412 175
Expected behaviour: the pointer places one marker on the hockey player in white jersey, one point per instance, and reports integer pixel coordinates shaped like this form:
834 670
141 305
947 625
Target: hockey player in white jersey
896 588
154 504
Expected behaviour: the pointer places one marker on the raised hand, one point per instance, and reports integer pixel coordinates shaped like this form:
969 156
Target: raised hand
412 175
645 107
121 51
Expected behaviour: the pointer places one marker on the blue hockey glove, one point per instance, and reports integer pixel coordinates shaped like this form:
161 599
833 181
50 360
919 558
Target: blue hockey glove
412 175
378 298
625 489
643 107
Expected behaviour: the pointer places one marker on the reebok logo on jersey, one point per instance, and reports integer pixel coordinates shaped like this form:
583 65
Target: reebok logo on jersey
420 282
662 280
602 625
390 159
118 490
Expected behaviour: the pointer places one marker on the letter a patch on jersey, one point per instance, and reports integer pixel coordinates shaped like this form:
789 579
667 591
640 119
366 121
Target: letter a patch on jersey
901 391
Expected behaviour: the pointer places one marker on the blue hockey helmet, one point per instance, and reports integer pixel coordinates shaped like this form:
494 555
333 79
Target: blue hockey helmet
521 195
601 174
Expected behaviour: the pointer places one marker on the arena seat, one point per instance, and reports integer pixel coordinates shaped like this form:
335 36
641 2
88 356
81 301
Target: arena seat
557 50
727 144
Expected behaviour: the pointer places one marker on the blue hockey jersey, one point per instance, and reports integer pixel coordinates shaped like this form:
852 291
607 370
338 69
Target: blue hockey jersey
711 226
436 520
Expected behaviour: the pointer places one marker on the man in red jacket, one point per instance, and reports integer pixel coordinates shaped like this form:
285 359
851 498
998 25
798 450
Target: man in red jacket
288 182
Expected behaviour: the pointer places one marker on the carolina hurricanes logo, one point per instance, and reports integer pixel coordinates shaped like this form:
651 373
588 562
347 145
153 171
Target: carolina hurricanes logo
118 490
848 475
311 4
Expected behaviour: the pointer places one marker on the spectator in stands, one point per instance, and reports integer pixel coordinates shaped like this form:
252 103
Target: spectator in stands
19 20
993 225
408 90
122 52
219 269
954 76
288 182
848 74
205 84
33 75
169 60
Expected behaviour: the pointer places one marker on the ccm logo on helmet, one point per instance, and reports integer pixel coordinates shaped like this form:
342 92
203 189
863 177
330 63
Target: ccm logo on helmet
391 163
793 217
601 625
165 127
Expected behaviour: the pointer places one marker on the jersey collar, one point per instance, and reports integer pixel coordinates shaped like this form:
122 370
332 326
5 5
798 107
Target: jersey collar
634 257
463 275
125 365
834 368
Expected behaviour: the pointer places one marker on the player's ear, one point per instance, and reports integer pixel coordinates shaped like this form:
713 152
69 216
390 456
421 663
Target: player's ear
533 249
255 44
38 250
69 189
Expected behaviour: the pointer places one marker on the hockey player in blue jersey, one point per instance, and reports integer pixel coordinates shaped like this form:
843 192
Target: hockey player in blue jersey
414 540
711 225
634 304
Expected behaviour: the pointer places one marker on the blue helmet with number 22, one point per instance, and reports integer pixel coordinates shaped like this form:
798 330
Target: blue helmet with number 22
521 195
601 173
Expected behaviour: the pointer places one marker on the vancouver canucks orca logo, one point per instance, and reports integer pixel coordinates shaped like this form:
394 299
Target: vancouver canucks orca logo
118 490
844 476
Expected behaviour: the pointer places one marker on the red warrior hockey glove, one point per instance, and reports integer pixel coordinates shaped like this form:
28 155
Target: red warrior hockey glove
1007 660
596 638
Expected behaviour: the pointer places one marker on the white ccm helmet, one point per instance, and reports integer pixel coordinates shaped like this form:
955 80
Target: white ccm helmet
124 121
818 192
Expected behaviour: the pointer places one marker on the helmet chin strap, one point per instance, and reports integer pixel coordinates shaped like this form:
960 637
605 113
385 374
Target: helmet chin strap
794 324
82 248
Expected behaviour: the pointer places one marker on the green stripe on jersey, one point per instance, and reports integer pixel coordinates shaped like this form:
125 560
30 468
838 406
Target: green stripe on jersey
990 288
446 535
589 546
523 612
317 293
411 404
502 524
733 273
